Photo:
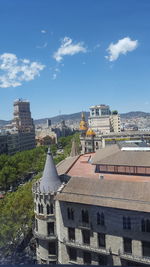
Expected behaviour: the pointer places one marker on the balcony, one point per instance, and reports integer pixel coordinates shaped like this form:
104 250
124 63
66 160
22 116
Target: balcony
52 257
44 237
134 258
84 225
73 243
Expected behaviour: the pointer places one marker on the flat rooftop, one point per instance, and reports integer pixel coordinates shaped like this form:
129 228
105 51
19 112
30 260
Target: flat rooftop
81 166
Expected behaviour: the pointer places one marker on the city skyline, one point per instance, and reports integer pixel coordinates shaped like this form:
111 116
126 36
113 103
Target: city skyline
67 56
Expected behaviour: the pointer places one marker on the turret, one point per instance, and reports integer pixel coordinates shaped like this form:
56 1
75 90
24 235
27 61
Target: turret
44 207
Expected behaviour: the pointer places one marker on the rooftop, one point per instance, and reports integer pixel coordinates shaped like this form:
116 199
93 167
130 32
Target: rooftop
114 194
112 155
81 166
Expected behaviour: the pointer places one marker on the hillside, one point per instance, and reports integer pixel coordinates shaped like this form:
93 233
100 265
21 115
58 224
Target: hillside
77 116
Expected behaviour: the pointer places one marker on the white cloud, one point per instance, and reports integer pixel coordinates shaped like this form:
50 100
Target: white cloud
43 31
42 46
121 47
68 48
14 71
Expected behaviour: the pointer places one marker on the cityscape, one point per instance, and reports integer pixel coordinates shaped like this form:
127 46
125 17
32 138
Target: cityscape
75 133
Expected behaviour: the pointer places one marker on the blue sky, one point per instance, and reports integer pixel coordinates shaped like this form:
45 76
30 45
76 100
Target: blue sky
66 55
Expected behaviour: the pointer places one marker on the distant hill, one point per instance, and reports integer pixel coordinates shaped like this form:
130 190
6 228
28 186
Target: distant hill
66 117
77 116
133 114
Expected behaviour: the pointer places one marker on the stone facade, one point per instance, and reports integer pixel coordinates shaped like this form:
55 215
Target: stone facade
112 250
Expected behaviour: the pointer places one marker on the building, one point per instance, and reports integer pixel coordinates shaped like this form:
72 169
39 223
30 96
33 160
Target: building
95 209
23 125
99 120
20 134
93 140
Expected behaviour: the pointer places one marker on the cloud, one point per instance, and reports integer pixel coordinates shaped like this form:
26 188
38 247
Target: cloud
68 48
42 46
121 47
14 71
43 31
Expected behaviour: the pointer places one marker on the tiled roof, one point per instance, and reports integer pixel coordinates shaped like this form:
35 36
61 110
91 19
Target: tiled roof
112 155
107 193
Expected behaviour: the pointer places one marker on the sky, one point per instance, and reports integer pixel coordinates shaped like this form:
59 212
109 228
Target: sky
67 55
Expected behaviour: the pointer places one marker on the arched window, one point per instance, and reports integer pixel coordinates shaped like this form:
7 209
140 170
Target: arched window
148 226
51 209
70 213
41 208
143 226
100 219
126 223
85 216
48 209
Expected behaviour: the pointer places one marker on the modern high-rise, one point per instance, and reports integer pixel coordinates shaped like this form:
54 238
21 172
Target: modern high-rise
23 124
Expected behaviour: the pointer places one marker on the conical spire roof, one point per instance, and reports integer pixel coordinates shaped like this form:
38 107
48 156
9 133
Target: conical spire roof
50 181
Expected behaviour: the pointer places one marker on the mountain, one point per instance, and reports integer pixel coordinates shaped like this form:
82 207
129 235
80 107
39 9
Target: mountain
133 114
67 117
75 117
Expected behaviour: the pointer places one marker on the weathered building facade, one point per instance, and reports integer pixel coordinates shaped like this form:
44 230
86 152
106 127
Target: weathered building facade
97 216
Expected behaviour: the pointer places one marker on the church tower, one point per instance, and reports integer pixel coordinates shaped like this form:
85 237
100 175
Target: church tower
44 207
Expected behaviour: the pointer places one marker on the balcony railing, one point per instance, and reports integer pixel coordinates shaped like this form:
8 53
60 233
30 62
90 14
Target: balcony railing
131 257
44 237
75 244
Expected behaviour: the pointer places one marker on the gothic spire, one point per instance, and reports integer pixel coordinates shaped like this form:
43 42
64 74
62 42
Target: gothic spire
50 181
74 149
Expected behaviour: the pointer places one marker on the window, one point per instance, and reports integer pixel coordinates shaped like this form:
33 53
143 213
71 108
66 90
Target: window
70 213
72 254
51 209
102 260
85 216
87 258
145 226
50 228
39 208
52 248
100 219
37 242
48 209
86 237
126 223
36 225
101 240
71 234
146 248
127 242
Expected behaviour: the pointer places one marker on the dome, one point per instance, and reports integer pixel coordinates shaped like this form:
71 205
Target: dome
83 126
90 132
